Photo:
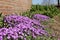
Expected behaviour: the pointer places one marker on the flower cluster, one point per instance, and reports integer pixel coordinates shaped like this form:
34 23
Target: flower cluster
40 17
21 27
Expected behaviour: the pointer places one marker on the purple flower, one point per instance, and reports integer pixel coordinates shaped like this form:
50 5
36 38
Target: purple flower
40 17
58 38
21 27
8 37
24 38
1 38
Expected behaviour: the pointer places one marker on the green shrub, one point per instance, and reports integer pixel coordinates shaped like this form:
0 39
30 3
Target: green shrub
50 11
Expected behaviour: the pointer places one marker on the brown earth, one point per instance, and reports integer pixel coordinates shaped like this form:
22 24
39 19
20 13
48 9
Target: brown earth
56 25
14 6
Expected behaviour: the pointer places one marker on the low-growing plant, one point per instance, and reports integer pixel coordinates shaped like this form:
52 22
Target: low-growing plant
1 20
24 28
50 11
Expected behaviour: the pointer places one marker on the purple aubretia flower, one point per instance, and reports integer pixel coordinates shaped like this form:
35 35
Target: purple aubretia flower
21 27
40 17
1 38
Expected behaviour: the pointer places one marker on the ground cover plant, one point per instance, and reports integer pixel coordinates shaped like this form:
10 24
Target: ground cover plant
16 27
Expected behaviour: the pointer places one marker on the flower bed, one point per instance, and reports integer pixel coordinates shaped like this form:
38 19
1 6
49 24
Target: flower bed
20 27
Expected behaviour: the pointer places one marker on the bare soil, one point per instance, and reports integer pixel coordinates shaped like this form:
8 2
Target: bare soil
56 25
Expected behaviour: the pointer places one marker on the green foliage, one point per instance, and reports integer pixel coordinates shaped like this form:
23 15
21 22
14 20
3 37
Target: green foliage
1 20
42 38
50 11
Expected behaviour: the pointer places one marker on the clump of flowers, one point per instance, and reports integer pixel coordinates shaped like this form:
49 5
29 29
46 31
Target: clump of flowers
44 20
40 17
21 27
